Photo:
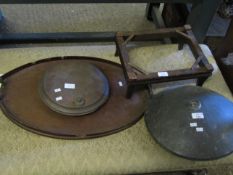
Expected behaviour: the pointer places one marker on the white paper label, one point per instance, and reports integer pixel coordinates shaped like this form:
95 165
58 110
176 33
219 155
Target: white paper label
59 98
69 86
198 115
120 83
199 129
193 124
163 74
57 90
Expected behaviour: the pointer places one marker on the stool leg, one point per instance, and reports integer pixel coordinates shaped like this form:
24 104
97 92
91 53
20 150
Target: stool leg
201 81
129 91
116 52
149 8
201 16
227 44
1 16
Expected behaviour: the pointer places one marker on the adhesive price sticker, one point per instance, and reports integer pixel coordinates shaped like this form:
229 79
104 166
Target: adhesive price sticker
120 83
163 74
198 115
69 86
57 90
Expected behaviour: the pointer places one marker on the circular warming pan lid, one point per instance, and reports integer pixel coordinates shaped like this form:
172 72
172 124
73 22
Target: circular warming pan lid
192 122
111 112
74 89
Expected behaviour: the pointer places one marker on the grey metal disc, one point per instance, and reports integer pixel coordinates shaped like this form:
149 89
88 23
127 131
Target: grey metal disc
74 88
192 122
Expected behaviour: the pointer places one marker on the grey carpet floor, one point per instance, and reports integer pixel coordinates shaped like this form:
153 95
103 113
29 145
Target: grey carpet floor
74 18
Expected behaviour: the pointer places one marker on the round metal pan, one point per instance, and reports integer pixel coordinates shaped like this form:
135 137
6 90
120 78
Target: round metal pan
191 122
21 103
